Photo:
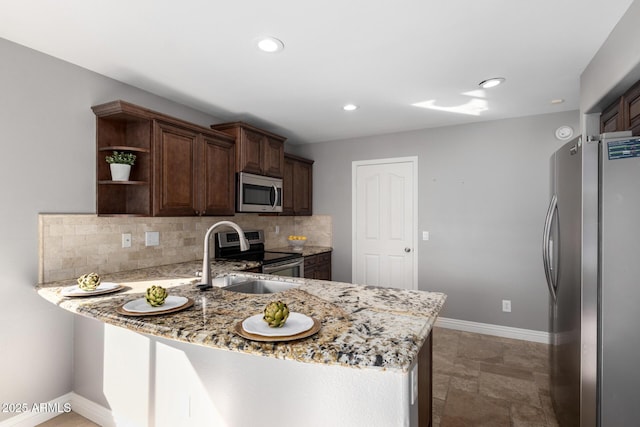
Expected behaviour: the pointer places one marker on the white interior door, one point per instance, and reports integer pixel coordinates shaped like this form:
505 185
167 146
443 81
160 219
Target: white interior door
384 222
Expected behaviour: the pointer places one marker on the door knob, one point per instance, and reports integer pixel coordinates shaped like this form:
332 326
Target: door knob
407 249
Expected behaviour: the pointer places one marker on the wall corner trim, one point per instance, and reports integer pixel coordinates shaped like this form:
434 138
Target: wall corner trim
495 330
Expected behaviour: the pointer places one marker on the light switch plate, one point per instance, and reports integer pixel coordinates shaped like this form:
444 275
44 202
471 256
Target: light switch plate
425 235
126 240
152 238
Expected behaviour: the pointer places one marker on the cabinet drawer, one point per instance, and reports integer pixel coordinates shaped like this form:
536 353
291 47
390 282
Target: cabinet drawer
311 260
324 258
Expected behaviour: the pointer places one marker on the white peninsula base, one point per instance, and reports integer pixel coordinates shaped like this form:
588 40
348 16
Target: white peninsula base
148 381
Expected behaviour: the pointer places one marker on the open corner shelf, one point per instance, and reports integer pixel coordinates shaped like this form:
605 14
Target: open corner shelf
109 182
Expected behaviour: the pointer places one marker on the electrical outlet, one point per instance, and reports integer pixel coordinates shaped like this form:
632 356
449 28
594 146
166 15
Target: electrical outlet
277 229
506 305
151 238
425 235
126 240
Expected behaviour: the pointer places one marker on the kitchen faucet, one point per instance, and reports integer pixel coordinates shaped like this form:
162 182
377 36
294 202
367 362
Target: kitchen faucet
205 283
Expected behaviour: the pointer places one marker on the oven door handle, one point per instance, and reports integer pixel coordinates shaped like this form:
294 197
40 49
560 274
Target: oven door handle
269 268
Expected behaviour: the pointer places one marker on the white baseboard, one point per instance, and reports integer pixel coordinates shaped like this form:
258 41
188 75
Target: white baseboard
68 402
495 330
92 411
38 413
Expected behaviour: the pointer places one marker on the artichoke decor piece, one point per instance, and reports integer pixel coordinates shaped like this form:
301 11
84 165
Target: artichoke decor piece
89 282
276 313
156 295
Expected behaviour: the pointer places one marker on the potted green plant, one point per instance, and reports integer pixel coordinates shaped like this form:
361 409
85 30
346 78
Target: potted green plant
120 164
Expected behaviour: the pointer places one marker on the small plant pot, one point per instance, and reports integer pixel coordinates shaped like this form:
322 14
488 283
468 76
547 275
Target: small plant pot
120 172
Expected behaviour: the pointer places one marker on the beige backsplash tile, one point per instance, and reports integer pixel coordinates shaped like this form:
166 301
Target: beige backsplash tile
74 244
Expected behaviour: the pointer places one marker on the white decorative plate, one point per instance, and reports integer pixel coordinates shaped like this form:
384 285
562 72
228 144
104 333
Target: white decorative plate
140 305
103 288
295 324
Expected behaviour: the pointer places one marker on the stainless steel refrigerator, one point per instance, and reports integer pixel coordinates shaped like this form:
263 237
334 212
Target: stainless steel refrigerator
591 256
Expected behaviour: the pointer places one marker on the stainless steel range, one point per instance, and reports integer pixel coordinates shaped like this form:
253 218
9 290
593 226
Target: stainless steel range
227 247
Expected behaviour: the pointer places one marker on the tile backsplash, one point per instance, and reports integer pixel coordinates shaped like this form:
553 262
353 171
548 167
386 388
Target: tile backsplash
74 244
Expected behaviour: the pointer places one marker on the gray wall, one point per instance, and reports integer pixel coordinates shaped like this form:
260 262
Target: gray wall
47 131
616 65
483 191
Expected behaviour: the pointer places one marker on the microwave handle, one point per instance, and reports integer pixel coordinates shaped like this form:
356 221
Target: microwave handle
275 198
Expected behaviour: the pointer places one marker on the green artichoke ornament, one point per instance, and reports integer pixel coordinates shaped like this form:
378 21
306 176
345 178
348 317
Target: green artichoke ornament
156 295
276 313
89 282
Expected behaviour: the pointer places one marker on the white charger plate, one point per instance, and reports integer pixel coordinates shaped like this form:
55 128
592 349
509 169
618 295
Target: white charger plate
102 288
140 305
296 323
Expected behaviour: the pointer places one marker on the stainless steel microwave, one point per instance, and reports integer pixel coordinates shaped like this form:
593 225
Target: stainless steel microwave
258 193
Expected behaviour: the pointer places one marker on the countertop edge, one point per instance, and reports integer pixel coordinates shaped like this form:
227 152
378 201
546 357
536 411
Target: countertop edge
355 346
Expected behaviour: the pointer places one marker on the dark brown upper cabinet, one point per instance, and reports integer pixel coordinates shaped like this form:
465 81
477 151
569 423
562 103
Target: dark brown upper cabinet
611 118
297 186
631 108
624 113
181 169
257 151
218 190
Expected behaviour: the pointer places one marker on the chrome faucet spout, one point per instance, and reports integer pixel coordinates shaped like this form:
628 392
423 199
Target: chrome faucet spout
205 283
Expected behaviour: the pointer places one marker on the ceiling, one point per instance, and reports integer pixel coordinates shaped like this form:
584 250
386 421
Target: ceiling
383 56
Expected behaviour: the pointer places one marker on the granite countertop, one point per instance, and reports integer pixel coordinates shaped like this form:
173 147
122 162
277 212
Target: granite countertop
362 326
306 250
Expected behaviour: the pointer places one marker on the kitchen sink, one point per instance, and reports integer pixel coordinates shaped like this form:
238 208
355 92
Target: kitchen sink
256 286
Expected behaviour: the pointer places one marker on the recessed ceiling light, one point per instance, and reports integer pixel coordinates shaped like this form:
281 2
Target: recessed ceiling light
493 82
557 101
270 44
350 107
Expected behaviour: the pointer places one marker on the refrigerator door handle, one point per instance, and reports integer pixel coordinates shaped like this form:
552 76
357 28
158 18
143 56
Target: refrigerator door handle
546 246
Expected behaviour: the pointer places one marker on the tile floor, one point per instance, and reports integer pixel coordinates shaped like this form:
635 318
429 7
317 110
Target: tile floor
482 380
478 380
70 419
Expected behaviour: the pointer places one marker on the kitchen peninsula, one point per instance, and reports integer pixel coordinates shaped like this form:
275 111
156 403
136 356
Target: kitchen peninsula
369 365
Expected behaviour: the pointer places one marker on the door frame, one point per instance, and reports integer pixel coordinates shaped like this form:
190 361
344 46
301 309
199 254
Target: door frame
414 240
